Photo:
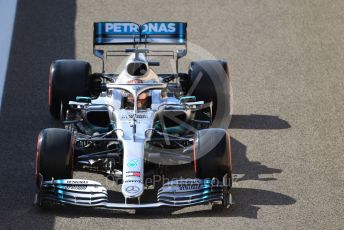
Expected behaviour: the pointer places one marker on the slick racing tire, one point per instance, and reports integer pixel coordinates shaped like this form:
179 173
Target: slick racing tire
54 156
210 82
212 154
67 80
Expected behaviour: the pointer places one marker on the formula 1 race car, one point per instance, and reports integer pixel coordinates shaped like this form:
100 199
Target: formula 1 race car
136 124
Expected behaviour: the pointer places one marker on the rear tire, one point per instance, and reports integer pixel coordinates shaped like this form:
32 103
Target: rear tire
67 80
54 157
212 154
210 82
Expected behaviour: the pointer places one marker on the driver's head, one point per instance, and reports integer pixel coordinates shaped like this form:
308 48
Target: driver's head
143 97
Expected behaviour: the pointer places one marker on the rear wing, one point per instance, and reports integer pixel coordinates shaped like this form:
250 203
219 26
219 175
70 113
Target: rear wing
129 33
121 33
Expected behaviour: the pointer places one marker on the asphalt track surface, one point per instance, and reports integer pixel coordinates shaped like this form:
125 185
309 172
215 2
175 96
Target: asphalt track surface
287 132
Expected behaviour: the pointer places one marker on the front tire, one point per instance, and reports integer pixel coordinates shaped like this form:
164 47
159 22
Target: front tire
212 154
54 157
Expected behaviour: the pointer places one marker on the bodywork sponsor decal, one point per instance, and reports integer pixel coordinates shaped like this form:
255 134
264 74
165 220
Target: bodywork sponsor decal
132 163
133 173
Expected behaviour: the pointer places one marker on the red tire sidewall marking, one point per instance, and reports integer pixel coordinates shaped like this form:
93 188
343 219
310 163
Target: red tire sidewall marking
195 162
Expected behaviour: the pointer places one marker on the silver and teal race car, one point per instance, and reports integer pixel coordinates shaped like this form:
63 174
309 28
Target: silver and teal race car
137 124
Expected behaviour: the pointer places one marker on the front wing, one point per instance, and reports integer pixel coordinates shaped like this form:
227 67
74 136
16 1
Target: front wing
176 193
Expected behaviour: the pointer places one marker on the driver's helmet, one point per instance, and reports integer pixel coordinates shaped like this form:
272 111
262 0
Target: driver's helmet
142 100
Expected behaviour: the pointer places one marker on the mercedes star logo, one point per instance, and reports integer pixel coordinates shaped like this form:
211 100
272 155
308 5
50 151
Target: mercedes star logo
132 189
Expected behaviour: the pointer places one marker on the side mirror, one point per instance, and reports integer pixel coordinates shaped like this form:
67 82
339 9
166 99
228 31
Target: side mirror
99 53
187 99
83 99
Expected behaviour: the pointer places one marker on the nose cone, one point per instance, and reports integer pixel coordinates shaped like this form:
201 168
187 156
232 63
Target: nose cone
132 190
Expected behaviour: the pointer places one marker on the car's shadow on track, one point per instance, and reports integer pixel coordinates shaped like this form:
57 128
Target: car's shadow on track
244 169
247 200
252 170
256 121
